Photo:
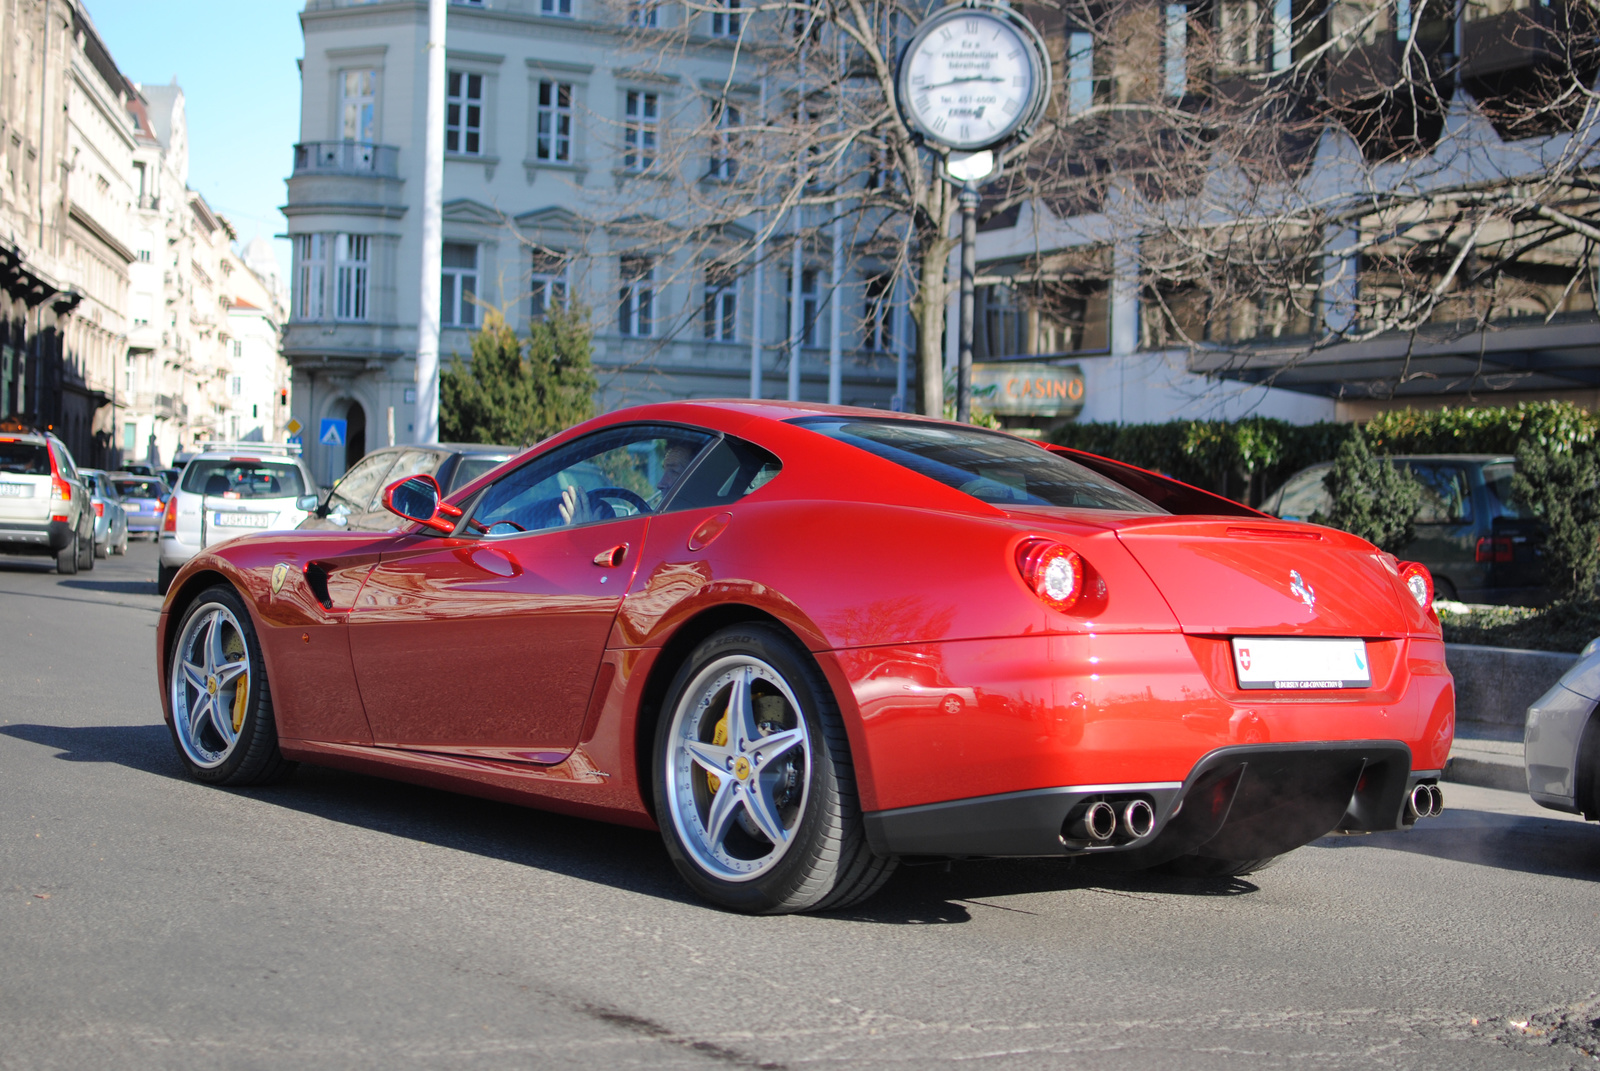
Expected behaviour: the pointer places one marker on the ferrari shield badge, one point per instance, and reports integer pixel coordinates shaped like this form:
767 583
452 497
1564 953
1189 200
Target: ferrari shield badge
1306 593
280 573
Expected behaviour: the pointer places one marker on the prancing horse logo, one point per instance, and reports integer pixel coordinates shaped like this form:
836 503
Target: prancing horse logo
280 573
1298 586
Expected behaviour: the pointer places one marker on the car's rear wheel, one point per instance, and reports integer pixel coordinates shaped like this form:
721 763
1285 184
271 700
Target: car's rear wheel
122 545
222 719
754 787
86 553
103 550
67 557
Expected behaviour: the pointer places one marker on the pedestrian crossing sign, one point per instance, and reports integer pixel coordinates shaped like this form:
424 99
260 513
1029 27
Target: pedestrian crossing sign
332 432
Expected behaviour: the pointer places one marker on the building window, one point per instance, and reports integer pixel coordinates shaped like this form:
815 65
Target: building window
559 8
808 306
463 113
642 13
144 256
311 276
725 19
640 124
722 305
350 267
358 104
236 385
238 347
1176 59
233 428
725 142
468 3
130 437
1283 30
549 283
636 298
553 138
878 315
1080 72
458 284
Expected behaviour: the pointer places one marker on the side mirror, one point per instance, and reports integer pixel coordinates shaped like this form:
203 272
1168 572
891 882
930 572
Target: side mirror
416 498
306 503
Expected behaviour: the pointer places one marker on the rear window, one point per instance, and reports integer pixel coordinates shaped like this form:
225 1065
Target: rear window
242 478
987 465
141 488
1502 500
24 459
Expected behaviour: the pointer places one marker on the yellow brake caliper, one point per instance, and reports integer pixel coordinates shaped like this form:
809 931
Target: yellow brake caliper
719 736
241 687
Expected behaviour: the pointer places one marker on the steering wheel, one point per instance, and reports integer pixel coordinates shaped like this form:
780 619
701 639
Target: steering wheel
602 493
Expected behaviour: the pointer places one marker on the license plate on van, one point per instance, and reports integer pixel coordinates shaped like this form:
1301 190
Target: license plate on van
1284 662
243 520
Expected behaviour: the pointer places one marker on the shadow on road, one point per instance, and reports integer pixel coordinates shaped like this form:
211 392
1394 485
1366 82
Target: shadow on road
115 587
27 565
623 858
1546 846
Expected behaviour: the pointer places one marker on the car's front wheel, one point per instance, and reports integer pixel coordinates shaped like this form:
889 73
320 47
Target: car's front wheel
222 717
755 792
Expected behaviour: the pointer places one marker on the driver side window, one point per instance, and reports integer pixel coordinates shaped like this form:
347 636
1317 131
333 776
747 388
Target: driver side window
619 472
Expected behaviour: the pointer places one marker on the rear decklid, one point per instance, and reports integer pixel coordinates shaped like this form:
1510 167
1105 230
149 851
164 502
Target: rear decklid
1259 577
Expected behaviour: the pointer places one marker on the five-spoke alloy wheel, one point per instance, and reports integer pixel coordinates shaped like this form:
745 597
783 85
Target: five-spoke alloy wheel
221 707
754 787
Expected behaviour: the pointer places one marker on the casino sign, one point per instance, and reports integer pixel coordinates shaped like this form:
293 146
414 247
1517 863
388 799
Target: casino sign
1026 388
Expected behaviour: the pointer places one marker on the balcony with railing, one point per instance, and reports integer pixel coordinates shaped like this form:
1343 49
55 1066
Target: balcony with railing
346 158
1529 64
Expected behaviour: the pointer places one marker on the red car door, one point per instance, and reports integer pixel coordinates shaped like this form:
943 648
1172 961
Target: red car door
490 647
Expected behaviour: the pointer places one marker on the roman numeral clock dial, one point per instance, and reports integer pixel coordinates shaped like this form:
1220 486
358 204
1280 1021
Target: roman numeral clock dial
972 76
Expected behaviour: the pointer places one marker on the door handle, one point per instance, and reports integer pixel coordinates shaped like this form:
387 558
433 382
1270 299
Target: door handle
610 559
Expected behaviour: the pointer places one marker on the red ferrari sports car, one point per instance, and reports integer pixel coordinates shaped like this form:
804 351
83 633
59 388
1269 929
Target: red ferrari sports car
806 642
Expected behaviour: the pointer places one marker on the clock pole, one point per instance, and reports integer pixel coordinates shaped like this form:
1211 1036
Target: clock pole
969 270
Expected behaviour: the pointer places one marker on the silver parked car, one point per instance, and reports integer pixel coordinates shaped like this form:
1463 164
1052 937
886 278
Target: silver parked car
1561 745
110 517
44 504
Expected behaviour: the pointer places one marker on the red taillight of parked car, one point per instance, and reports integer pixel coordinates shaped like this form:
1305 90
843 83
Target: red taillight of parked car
99 509
60 495
1418 581
1493 550
1052 571
169 523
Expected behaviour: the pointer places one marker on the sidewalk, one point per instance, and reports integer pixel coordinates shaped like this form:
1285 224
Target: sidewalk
1489 756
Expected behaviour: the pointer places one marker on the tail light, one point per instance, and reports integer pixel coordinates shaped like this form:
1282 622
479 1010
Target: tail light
99 509
60 495
1493 550
169 522
1418 581
1052 571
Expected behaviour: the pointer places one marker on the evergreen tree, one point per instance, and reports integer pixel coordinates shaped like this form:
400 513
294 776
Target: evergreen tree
1560 484
518 392
1371 498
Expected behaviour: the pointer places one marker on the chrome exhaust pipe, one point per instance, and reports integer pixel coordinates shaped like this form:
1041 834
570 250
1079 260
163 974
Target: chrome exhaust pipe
1098 823
1420 802
1438 800
1138 819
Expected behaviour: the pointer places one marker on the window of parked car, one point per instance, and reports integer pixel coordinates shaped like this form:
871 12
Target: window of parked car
469 468
242 478
141 488
24 459
357 488
619 472
987 465
1446 495
1305 495
1502 500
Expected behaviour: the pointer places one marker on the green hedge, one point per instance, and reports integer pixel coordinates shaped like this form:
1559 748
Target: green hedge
1247 459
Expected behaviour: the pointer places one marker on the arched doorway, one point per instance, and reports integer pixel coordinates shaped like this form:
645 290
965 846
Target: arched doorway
355 434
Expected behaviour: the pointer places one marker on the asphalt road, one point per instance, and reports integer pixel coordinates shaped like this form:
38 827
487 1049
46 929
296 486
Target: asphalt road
338 921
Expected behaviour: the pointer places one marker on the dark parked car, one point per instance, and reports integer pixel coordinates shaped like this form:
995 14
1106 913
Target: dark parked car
144 497
355 502
1480 545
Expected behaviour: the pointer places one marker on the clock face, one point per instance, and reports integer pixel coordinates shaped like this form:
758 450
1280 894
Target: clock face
968 79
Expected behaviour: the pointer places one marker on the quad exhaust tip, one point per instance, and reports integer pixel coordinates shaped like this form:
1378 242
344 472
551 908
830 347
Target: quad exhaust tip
1138 819
1425 801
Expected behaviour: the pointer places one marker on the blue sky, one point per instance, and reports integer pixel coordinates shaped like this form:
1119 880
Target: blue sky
236 64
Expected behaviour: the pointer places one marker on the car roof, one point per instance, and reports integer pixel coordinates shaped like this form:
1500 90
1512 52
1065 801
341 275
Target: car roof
229 455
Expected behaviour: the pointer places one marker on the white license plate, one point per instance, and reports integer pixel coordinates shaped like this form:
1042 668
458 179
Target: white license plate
1287 663
16 490
242 520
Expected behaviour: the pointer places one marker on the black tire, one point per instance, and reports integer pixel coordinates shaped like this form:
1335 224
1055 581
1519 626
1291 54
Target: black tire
253 758
105 550
67 557
1200 866
86 553
827 863
164 575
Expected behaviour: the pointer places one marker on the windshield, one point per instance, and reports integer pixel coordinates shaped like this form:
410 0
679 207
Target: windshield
989 466
141 488
242 477
24 459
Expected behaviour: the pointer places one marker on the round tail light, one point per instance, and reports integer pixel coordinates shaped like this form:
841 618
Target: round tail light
1418 581
1052 571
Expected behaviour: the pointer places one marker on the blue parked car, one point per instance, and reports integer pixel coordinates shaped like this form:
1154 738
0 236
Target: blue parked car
143 497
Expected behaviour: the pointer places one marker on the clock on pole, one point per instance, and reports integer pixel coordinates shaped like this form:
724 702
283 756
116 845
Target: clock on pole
974 76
